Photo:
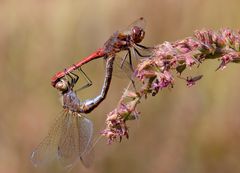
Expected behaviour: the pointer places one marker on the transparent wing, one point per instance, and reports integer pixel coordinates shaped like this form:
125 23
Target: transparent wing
87 157
68 140
86 133
75 139
46 151
68 146
121 69
140 22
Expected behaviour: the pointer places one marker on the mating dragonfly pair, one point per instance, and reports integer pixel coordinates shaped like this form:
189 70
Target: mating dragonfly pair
70 139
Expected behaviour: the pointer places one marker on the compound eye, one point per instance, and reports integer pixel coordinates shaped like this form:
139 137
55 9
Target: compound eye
62 85
137 34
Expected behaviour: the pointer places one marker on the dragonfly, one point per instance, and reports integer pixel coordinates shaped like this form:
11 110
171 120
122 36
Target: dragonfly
70 138
124 40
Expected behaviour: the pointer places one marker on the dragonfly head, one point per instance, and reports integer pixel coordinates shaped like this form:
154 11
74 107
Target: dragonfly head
137 34
62 85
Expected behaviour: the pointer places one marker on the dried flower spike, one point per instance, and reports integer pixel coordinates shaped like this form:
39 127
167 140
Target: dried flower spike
157 72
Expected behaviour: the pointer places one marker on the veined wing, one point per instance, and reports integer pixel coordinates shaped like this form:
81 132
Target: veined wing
125 63
46 151
122 67
86 133
67 141
75 138
140 22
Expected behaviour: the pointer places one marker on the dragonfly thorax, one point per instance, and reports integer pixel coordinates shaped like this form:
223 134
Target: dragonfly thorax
71 101
117 42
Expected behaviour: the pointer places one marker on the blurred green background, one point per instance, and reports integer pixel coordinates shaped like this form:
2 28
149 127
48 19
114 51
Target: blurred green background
184 130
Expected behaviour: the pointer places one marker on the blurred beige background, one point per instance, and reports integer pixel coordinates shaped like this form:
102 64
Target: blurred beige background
185 130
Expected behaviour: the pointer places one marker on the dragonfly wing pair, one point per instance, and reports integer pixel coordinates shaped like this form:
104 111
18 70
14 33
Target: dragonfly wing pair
68 141
140 22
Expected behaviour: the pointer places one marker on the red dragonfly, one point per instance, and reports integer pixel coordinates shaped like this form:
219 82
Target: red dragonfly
125 40
70 139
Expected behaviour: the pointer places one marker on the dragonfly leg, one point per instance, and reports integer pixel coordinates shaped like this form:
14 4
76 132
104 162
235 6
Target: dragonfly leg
73 78
124 59
68 76
139 54
130 59
130 64
128 54
89 82
143 47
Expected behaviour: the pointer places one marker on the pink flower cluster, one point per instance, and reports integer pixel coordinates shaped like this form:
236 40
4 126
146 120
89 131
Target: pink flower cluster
157 71
116 120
